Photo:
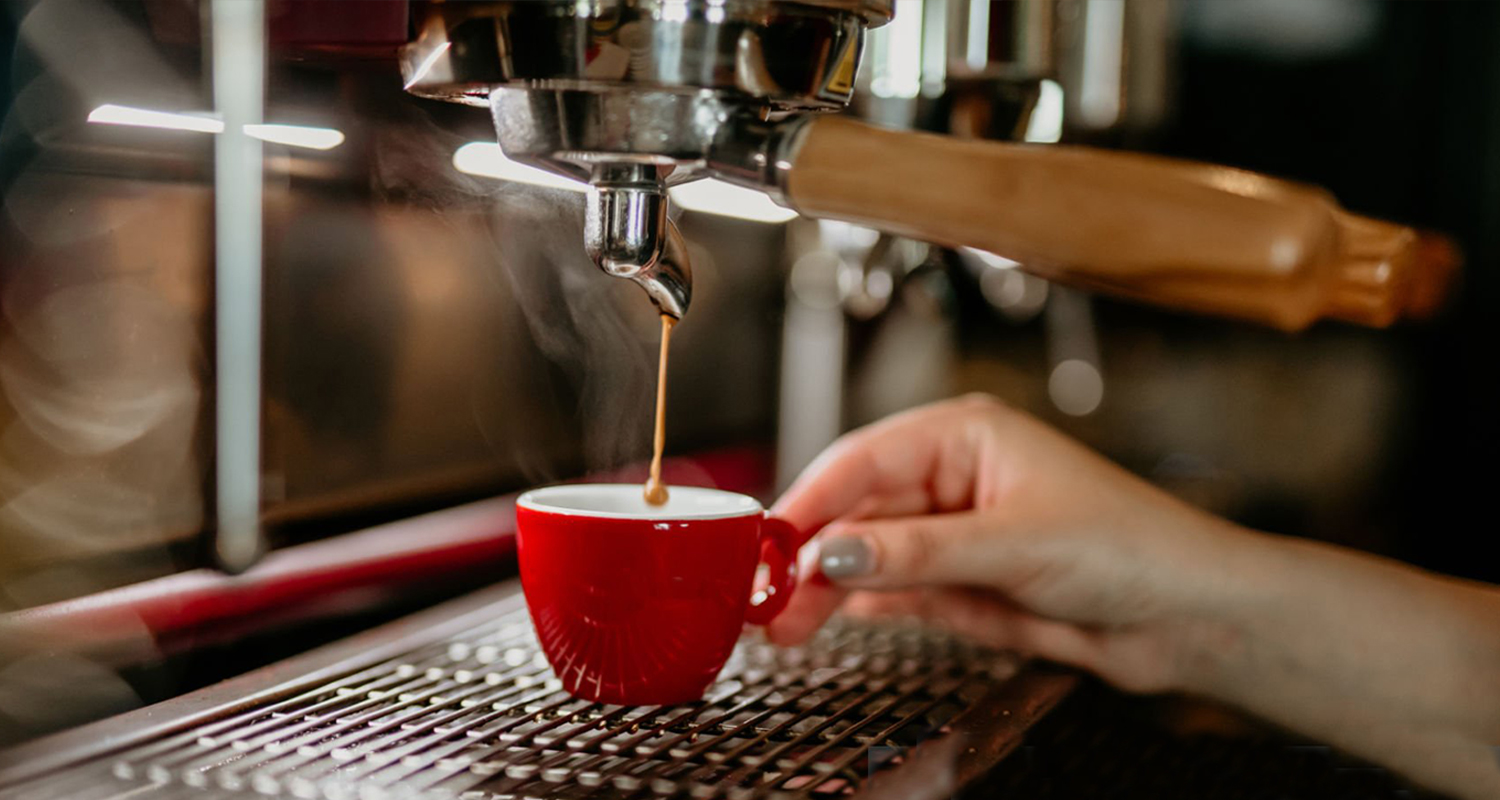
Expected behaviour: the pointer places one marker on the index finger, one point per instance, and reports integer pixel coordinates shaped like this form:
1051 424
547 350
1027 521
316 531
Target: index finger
921 460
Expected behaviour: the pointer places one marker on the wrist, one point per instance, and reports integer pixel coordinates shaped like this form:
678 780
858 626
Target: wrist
1283 617
1218 632
1385 661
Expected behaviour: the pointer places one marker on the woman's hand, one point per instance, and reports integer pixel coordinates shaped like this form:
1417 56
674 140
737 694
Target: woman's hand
988 522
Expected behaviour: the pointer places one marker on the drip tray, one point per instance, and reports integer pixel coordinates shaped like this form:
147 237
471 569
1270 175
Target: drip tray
458 702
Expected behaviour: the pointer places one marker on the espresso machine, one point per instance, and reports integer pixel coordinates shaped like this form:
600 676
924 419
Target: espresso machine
636 97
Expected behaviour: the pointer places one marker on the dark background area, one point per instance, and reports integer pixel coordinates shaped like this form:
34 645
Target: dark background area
1406 128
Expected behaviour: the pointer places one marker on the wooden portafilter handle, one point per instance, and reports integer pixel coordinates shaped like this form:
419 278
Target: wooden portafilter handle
1186 235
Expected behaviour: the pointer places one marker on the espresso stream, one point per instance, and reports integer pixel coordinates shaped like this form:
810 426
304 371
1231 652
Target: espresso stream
656 491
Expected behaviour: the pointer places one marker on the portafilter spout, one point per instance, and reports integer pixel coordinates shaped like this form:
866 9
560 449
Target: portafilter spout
625 219
669 281
627 234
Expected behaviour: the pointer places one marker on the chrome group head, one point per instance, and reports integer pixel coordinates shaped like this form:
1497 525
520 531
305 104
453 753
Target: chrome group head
636 95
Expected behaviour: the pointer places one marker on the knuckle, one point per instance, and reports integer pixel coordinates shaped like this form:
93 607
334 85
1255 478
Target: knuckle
846 449
857 443
843 444
909 552
983 402
985 408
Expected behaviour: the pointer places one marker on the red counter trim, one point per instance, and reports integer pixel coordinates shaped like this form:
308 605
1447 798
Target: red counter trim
388 556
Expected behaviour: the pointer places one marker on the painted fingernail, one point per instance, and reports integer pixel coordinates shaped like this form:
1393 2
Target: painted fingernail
846 557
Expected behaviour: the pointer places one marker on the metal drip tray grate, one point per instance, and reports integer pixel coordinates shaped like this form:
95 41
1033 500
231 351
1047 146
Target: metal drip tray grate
479 715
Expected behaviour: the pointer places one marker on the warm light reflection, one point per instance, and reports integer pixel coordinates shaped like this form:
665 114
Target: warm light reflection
1046 121
111 114
486 160
293 135
990 259
708 196
1076 387
896 53
297 136
712 196
421 71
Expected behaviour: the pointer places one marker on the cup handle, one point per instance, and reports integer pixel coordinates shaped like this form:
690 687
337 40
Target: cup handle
778 550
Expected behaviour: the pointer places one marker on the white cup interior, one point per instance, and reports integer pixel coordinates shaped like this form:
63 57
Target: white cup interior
628 501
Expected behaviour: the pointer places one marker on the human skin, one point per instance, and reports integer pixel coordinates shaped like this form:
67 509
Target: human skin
990 523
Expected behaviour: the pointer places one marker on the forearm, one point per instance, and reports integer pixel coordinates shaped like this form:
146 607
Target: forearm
1383 660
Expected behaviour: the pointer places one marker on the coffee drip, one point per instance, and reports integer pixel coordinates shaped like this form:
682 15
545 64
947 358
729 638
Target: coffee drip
656 491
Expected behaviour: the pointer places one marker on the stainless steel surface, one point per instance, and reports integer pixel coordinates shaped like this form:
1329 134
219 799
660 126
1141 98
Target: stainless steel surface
785 54
581 132
238 59
627 234
758 154
669 281
1116 63
23 763
633 96
459 702
625 219
1029 50
931 48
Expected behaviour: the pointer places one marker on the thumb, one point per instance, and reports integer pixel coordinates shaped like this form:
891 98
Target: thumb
925 550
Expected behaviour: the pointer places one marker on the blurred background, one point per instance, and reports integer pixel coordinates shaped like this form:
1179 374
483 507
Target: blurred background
434 334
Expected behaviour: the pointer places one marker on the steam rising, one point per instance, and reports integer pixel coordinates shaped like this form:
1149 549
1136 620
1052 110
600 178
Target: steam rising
575 317
596 331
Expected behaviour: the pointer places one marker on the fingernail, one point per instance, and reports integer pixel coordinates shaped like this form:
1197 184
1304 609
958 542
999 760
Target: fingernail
846 557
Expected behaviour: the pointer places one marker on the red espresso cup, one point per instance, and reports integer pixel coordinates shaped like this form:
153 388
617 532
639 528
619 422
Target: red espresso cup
641 605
